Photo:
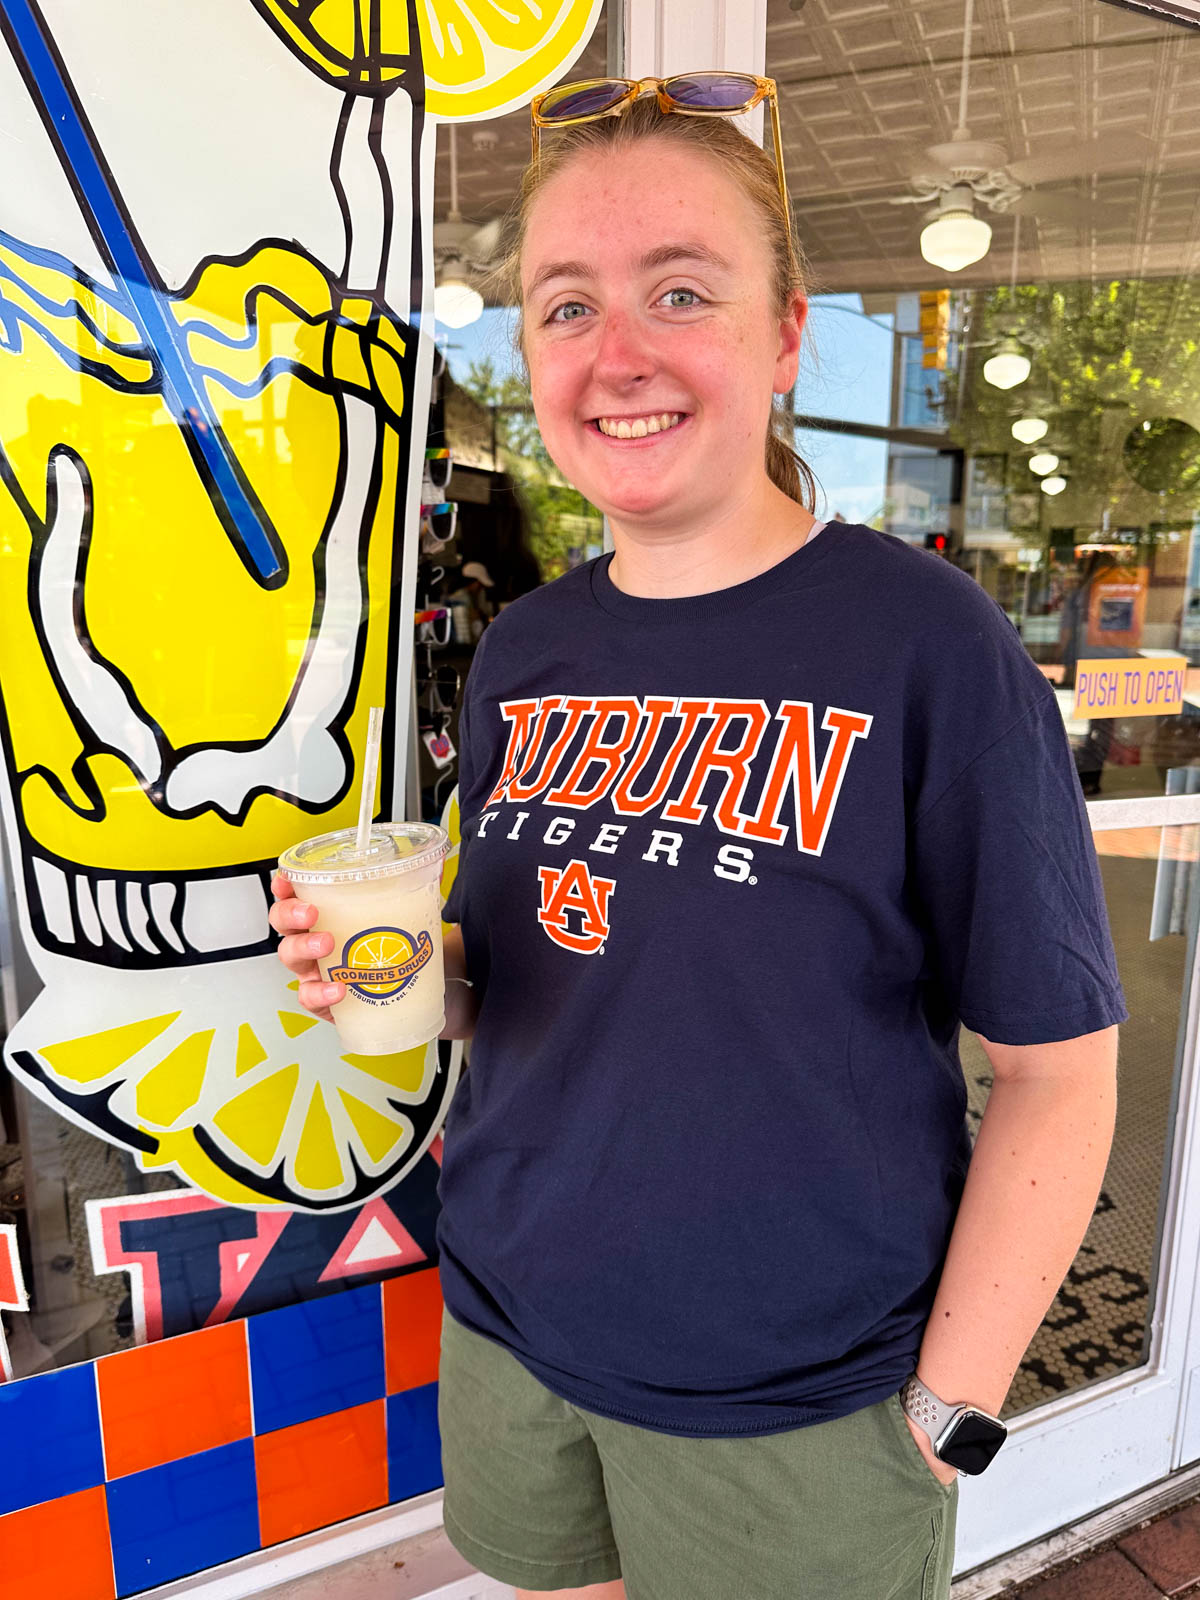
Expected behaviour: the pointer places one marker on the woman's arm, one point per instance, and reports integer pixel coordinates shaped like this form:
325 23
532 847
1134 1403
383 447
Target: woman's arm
1031 1189
462 1005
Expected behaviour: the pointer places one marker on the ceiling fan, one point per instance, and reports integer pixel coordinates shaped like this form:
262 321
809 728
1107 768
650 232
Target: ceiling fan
962 175
463 255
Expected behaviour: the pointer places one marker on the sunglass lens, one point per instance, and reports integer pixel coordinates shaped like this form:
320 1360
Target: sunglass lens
581 100
712 91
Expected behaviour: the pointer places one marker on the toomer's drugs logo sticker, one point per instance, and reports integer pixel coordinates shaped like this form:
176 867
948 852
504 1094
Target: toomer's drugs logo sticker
381 963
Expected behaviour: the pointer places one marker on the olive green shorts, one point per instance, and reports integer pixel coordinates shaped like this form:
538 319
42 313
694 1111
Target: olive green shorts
543 1495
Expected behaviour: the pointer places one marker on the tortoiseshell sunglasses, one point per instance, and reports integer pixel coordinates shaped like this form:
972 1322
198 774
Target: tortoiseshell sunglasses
691 94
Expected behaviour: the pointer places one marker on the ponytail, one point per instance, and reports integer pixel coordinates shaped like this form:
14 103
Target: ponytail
787 470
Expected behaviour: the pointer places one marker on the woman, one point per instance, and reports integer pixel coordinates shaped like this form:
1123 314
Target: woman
755 812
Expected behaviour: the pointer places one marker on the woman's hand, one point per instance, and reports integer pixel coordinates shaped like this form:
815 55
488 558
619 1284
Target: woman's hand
299 948
942 1470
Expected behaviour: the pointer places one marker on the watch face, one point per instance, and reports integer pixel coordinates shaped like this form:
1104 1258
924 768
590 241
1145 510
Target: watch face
972 1442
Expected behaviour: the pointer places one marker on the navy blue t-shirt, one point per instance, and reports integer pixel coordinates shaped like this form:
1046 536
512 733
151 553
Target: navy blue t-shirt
734 867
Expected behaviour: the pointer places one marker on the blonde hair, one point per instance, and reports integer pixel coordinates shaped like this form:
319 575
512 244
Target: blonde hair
748 166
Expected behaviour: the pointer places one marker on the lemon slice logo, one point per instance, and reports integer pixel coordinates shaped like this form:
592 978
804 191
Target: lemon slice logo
482 57
479 57
380 963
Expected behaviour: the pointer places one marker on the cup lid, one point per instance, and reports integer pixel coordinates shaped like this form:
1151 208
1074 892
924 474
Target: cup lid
393 849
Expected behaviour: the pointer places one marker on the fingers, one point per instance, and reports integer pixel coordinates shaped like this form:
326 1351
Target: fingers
317 996
300 952
299 948
289 914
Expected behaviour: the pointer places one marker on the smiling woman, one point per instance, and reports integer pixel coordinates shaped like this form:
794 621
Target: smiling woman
738 859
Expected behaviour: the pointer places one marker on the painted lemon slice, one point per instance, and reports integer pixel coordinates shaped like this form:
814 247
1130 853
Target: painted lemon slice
482 58
360 45
479 57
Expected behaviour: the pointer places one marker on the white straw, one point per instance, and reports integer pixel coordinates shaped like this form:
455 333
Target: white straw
370 768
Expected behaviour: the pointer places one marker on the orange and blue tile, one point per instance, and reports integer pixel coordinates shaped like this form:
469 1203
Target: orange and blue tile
159 1462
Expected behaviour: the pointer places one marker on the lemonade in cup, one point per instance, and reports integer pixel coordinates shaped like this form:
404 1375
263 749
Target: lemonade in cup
383 906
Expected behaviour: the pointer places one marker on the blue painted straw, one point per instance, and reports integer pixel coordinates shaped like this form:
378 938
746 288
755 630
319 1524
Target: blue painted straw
238 507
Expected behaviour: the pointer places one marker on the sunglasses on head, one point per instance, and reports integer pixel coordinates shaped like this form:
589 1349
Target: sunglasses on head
690 94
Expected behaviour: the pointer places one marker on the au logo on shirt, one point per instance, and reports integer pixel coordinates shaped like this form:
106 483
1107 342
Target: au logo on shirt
574 908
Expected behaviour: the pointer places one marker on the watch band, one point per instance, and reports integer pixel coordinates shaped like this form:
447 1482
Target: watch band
929 1413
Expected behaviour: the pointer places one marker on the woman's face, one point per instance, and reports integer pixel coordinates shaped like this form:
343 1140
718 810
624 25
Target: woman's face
652 338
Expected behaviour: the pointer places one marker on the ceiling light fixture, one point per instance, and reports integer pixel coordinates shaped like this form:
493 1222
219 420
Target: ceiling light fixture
1045 461
954 237
1030 428
1008 367
1054 485
455 302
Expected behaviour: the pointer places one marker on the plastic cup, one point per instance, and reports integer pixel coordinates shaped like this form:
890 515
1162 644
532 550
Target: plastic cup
383 907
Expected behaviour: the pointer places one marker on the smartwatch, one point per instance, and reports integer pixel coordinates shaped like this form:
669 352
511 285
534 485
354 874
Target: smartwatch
961 1435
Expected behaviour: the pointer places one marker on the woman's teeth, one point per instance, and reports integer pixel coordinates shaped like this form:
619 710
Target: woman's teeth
622 428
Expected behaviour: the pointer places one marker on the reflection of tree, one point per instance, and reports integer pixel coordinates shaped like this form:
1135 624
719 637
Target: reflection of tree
1126 345
560 519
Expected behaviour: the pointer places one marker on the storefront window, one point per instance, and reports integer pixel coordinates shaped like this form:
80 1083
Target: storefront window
1031 416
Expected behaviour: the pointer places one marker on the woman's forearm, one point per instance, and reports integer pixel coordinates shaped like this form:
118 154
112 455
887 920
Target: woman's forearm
1031 1189
462 1006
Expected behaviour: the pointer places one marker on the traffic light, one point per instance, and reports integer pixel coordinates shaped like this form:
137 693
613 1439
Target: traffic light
939 542
935 327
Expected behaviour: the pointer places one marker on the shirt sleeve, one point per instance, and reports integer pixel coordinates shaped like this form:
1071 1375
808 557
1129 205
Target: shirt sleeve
469 799
452 910
1005 872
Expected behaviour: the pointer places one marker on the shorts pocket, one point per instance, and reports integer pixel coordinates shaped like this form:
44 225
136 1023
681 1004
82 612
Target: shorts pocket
910 1453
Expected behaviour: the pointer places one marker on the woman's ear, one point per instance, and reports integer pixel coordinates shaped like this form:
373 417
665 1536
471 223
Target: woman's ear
791 332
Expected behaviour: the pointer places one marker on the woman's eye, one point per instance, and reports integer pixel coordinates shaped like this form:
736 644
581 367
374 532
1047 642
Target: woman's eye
569 311
682 298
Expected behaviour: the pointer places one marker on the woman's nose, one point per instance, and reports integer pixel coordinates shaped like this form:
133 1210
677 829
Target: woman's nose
623 355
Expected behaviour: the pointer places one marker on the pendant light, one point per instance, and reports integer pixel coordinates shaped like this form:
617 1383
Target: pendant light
1054 484
1045 461
954 237
1008 367
1030 428
456 300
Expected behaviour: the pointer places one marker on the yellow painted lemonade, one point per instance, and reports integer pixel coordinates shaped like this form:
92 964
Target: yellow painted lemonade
383 907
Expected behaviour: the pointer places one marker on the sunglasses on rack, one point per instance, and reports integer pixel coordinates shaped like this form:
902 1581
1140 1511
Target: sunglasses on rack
439 464
689 94
441 519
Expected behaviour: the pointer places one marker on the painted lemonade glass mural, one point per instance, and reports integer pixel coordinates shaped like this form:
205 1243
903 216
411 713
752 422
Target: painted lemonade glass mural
213 243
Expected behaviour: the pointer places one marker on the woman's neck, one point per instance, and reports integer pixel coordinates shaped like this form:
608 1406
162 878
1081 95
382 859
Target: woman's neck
713 555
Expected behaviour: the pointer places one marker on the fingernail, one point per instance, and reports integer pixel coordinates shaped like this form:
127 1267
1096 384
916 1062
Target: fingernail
315 944
329 993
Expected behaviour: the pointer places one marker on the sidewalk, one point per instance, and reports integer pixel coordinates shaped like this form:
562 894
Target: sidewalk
1159 1558
1162 1557
1154 1560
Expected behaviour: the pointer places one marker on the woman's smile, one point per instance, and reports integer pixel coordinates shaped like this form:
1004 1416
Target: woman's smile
642 426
